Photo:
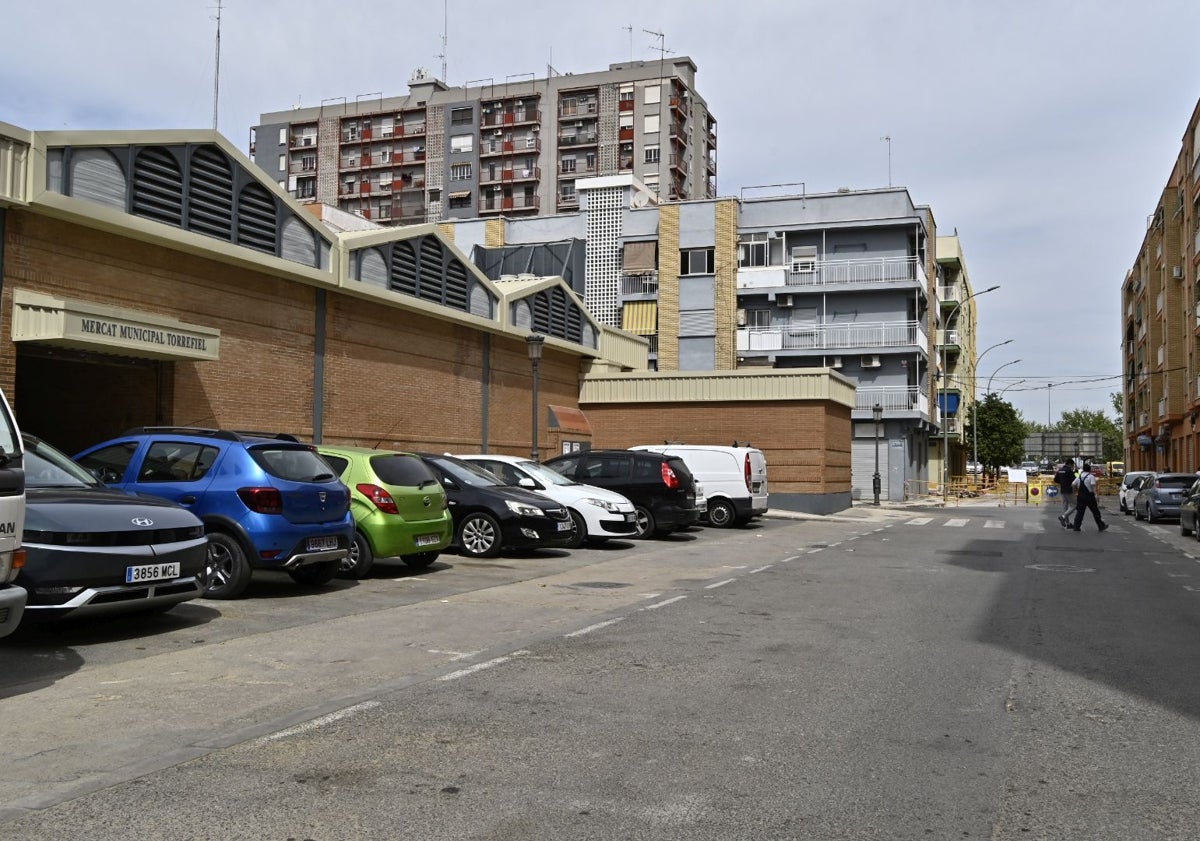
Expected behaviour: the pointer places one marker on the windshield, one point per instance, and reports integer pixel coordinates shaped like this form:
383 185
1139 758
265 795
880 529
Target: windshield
466 474
46 467
544 474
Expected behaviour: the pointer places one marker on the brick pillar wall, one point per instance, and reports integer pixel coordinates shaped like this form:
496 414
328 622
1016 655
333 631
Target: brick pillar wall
446 229
725 293
668 287
493 233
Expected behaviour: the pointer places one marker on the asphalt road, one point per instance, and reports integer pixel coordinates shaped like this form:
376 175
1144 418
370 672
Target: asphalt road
968 673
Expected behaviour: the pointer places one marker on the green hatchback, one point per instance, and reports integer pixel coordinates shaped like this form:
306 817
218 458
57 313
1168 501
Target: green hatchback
398 505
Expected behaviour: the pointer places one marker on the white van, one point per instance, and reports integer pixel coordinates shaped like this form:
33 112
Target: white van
734 479
12 520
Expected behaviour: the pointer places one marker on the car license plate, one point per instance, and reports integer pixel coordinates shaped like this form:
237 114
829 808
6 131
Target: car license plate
151 572
428 539
320 544
565 526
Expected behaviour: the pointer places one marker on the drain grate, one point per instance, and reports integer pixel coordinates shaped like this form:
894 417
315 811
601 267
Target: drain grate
600 585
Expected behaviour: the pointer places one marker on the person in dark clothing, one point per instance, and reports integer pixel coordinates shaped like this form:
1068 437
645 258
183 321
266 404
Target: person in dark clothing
1085 487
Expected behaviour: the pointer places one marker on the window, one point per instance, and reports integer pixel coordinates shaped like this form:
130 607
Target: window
653 94
462 143
460 172
283 136
696 261
752 250
306 188
758 318
567 190
460 200
435 195
569 106
461 116
171 461
385 210
651 124
568 164
308 162
625 121
652 153
282 162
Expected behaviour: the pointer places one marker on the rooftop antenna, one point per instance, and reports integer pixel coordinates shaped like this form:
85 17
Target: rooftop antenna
662 55
445 34
217 67
629 29
887 138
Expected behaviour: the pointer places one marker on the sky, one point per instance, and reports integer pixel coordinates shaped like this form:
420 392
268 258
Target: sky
1041 131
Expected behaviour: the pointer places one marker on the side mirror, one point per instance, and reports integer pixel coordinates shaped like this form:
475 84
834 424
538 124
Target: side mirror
526 482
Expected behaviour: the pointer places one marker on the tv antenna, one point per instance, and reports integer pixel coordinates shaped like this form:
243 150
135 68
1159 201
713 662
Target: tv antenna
887 138
629 29
217 67
445 35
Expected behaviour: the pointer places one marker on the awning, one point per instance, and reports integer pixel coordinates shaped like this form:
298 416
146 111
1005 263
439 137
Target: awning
568 419
82 325
640 317
639 257
461 194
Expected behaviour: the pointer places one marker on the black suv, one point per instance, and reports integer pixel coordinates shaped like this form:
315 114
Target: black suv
490 515
660 487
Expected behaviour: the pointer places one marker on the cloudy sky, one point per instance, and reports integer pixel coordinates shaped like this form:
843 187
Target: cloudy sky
1042 130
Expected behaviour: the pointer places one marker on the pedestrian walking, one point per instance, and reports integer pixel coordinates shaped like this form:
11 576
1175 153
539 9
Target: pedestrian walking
1065 479
1085 488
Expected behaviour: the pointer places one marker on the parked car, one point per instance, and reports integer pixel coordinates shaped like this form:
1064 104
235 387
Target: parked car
973 468
1160 495
94 550
267 501
660 487
1130 485
1030 468
1189 506
399 508
490 516
598 514
12 520
734 479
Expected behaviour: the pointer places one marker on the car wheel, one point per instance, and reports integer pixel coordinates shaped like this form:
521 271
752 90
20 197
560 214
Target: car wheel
581 533
358 560
479 535
1151 515
1121 504
1183 530
316 575
721 513
644 521
226 570
420 560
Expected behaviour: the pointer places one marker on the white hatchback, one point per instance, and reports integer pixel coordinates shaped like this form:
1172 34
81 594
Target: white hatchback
598 513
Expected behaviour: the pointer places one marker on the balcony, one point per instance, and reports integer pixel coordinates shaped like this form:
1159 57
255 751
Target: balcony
511 118
570 202
581 110
948 338
579 171
879 270
411 156
625 105
640 284
653 340
625 134
526 145
507 176
893 399
863 334
577 139
678 163
500 205
304 141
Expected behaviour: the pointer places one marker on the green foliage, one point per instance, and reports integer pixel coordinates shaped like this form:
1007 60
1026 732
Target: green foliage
1118 404
1001 432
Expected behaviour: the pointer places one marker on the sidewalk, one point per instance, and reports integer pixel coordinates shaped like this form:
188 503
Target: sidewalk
865 511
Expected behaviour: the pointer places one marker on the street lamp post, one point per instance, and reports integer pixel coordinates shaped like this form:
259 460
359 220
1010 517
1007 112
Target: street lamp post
975 417
1010 385
974 401
946 385
534 341
877 413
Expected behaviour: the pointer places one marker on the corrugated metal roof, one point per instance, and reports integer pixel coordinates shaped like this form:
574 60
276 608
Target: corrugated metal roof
716 386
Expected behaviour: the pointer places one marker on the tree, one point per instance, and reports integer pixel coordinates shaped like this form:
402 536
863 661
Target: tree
1118 404
1092 420
1001 432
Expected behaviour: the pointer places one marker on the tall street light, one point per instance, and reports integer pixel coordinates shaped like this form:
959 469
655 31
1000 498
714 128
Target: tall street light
1010 385
974 401
534 342
946 384
877 413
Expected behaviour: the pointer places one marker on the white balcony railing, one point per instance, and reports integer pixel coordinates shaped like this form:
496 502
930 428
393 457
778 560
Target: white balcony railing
1162 407
639 284
863 334
949 293
880 270
893 399
948 337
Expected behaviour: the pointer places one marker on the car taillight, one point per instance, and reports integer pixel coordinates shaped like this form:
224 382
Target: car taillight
669 477
380 498
262 500
748 483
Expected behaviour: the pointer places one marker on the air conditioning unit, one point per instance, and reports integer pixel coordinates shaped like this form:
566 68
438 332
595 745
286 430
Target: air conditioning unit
870 362
835 362
498 132
1177 272
306 141
784 301
741 318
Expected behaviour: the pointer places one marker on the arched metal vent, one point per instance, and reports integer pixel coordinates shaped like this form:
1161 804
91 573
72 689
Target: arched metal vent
456 285
256 218
210 194
556 314
97 176
158 186
404 268
431 270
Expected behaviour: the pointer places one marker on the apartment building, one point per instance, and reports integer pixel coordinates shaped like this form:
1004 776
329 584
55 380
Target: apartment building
517 147
1161 361
848 281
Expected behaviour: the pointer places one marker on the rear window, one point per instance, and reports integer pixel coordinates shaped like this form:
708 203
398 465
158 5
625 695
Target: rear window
1185 481
408 471
292 464
679 466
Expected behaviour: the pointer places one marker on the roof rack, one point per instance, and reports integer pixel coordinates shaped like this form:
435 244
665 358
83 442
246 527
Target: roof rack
220 434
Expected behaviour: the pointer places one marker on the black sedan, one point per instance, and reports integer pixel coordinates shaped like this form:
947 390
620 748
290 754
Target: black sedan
490 516
93 550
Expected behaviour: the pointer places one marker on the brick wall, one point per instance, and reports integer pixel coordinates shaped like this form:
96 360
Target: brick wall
668 287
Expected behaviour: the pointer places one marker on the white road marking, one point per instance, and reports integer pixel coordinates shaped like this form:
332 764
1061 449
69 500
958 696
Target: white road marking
731 566
792 558
852 538
457 655
478 667
1033 526
649 595
591 628
760 569
956 523
321 722
831 545
1178 575
671 600
1191 589
993 524
720 584
812 551
919 521
410 578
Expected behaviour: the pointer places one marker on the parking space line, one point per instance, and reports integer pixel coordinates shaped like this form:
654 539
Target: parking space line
671 600
478 667
591 628
719 584
322 721
760 569
789 560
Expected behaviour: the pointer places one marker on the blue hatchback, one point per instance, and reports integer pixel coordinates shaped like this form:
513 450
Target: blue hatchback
267 501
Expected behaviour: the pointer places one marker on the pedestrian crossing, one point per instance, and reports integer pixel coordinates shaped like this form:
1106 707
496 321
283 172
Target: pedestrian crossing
974 523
